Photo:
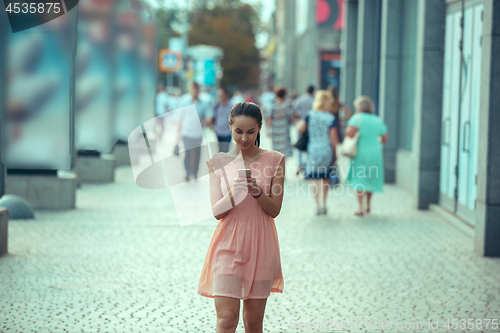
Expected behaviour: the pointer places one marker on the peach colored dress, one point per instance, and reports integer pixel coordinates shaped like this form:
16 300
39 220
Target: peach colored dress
243 259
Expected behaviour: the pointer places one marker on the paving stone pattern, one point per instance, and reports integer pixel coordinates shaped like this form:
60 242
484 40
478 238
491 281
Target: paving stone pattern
120 262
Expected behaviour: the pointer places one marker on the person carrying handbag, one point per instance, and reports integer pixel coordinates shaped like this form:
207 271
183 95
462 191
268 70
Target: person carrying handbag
323 138
302 107
366 171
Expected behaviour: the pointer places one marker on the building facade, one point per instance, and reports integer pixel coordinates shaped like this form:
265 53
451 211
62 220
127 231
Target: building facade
429 67
304 44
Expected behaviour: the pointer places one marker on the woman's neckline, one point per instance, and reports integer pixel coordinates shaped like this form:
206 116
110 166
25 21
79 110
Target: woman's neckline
247 166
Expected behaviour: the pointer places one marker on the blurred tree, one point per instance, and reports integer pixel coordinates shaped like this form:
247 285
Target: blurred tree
168 22
232 26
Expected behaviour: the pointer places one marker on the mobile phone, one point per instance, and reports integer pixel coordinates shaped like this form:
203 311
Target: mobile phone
244 173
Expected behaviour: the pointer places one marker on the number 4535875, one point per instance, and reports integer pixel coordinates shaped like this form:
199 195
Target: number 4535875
471 324
33 8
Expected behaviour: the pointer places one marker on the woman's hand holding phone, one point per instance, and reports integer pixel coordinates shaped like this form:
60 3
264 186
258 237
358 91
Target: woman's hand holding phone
246 183
239 186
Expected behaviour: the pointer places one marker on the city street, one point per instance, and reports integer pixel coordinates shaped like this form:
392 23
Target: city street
110 111
121 262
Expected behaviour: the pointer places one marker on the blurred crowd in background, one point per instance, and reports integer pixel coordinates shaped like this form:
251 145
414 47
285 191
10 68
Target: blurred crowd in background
300 104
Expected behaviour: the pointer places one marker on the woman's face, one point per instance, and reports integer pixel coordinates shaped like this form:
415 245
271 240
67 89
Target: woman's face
245 130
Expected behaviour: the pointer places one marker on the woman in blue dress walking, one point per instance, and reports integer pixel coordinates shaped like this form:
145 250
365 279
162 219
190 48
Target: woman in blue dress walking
323 138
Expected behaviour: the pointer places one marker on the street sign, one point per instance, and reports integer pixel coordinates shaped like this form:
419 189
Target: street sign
169 61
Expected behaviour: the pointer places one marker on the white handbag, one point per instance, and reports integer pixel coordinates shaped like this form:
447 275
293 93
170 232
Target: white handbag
349 147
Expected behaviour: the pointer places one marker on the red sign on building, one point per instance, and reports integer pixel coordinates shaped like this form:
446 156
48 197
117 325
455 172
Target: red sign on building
330 13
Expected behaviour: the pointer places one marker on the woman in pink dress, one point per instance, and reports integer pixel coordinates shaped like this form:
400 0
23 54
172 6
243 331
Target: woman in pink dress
243 259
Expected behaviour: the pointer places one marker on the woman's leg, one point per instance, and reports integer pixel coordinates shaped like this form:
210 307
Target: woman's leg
325 182
253 314
228 311
314 187
360 195
368 200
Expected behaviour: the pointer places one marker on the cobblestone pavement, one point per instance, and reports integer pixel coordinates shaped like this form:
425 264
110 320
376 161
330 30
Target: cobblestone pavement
120 262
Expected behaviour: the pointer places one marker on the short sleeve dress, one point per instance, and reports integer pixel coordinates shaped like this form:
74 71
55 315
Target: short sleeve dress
320 153
366 172
243 258
281 115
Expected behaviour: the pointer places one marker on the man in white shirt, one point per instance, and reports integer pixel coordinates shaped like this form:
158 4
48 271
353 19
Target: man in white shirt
206 97
191 131
173 105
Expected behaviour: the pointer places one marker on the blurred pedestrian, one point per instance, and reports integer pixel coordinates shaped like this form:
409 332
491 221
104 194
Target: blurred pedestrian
191 131
249 97
366 172
175 102
266 100
207 97
221 119
161 107
302 106
237 98
304 103
175 98
340 110
293 96
323 138
243 259
280 117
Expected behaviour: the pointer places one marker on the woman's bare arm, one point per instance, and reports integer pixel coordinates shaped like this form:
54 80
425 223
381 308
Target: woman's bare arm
384 138
221 204
272 204
301 126
348 112
294 116
334 139
350 131
334 136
